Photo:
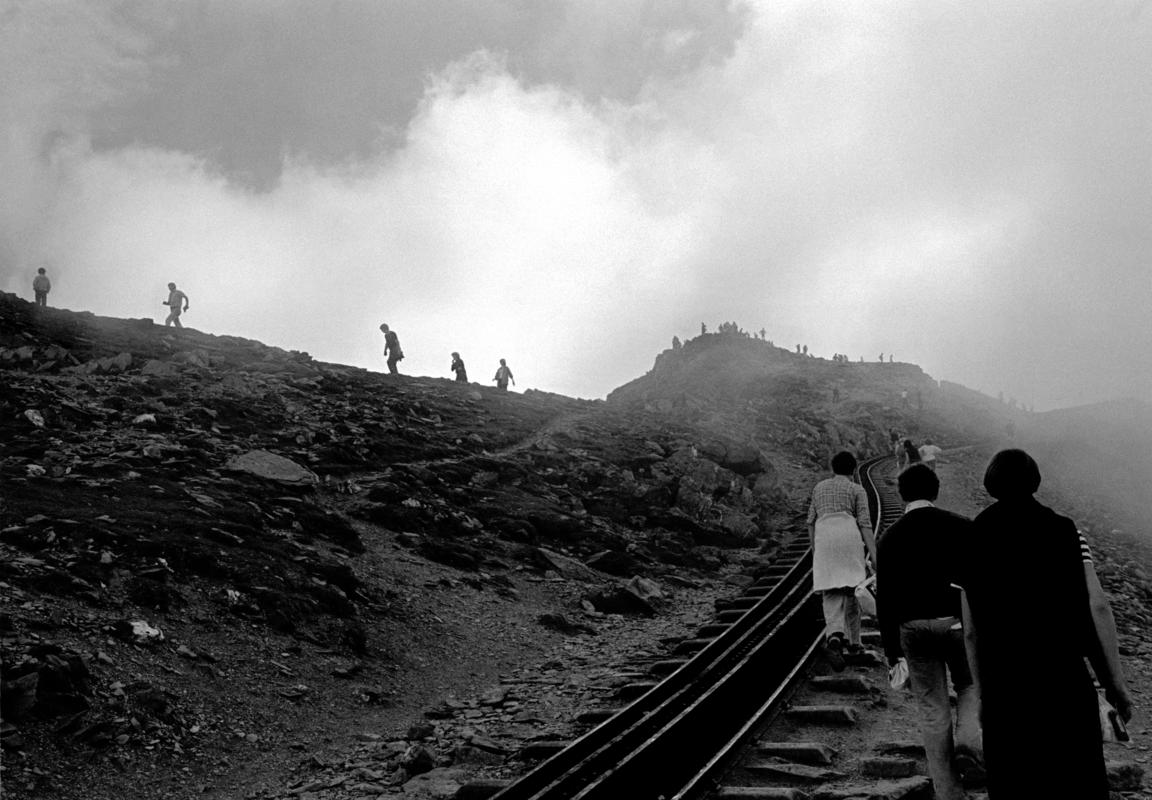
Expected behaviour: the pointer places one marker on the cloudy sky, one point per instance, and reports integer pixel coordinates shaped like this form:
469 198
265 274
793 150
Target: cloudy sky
568 183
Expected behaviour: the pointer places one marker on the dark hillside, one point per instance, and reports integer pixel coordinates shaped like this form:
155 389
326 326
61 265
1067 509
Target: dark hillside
216 554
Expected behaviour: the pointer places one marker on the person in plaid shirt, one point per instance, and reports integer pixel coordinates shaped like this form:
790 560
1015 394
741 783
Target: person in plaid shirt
842 542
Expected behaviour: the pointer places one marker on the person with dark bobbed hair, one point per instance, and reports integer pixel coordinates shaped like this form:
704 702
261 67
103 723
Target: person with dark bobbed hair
1033 612
840 529
1012 474
919 614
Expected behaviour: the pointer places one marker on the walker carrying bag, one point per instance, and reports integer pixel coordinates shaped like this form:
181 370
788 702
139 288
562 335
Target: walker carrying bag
866 597
898 674
1112 728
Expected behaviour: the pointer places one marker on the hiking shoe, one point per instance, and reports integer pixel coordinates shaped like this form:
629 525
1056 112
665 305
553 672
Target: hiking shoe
834 649
971 768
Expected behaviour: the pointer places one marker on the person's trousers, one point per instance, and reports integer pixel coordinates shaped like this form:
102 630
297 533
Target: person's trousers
935 649
392 362
173 318
841 613
41 298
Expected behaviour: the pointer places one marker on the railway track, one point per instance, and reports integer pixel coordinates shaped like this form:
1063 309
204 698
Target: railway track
681 733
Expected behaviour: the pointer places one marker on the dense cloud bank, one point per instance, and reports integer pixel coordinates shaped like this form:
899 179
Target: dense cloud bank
567 185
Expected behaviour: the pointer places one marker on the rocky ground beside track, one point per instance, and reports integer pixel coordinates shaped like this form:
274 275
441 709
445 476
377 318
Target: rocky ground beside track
229 570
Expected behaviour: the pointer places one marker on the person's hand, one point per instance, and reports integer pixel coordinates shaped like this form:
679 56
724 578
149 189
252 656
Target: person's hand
1121 701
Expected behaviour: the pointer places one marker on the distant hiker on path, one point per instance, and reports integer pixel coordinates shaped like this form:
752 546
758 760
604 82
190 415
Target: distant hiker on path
458 368
911 453
928 453
41 286
176 299
840 530
391 348
503 375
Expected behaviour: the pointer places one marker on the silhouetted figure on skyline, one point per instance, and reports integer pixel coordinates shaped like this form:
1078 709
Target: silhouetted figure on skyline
676 343
458 368
391 348
176 299
881 358
889 358
503 375
41 286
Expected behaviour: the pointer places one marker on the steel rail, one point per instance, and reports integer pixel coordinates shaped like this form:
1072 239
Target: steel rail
674 740
707 778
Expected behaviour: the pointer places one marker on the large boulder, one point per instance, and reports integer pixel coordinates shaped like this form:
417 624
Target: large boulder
441 783
264 464
613 562
620 600
740 527
157 368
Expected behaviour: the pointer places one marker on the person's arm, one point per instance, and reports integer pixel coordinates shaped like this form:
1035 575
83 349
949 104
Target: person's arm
971 642
869 544
812 523
1105 659
185 302
864 523
887 613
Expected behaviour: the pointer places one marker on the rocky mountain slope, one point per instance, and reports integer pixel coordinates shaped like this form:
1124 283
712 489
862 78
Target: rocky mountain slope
217 556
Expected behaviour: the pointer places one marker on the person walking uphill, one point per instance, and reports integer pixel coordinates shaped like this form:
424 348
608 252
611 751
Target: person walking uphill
919 613
1030 621
503 375
41 286
842 543
391 348
176 299
458 368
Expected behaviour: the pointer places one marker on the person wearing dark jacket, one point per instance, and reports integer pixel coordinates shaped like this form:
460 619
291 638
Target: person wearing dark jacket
919 614
1030 622
391 348
459 369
